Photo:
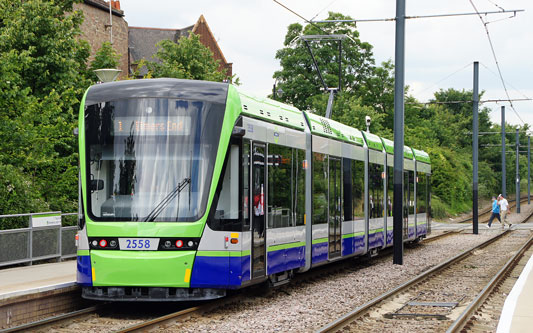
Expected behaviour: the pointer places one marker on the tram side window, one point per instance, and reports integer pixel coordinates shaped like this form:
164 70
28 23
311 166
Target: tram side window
375 187
320 188
358 190
411 192
421 193
299 183
390 190
280 183
246 185
430 213
347 188
226 215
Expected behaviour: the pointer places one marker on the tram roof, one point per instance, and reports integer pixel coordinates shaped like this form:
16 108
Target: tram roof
214 92
333 129
272 111
408 152
373 141
283 114
421 156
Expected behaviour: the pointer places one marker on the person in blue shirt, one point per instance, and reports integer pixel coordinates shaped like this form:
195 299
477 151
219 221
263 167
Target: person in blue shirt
495 212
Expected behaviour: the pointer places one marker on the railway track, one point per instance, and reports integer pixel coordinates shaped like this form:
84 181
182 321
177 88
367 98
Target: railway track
484 313
106 319
443 234
128 317
65 317
436 298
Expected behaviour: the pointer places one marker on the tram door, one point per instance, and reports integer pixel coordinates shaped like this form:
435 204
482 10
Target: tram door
335 207
258 220
406 196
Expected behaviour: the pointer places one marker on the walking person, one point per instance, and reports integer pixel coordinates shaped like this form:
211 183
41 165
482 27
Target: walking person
504 211
495 212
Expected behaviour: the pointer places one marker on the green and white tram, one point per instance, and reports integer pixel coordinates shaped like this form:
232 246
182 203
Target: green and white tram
191 188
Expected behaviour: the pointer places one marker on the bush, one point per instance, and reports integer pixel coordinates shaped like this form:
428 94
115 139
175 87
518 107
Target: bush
438 208
18 195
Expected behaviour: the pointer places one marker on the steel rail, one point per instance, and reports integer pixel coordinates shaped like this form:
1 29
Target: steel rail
465 316
354 314
443 234
170 318
51 320
179 315
357 312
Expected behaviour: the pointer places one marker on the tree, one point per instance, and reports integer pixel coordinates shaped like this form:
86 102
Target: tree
298 78
42 80
105 57
187 59
442 129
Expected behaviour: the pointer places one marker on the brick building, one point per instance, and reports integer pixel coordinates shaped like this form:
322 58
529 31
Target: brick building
135 43
142 42
96 30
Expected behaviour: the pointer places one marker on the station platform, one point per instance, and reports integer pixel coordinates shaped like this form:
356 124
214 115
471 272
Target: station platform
26 280
517 312
30 293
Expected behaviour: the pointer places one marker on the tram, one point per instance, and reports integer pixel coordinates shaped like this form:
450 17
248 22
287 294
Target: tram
190 188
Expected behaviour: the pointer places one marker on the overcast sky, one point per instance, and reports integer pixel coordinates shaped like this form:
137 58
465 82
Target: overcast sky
250 31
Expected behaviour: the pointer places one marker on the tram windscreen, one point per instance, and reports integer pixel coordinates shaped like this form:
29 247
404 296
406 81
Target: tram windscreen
150 159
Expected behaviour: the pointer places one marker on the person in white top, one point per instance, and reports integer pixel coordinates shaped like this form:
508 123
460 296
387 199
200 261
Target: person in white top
504 210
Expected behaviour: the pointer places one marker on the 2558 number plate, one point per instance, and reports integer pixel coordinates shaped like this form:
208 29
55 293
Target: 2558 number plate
138 244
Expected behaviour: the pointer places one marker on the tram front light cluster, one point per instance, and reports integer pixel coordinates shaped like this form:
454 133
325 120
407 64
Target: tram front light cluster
184 243
101 243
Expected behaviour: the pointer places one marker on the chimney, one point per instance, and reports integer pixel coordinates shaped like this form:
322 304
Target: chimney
115 4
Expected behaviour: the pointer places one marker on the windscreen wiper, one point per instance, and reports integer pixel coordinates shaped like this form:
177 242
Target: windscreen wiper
167 199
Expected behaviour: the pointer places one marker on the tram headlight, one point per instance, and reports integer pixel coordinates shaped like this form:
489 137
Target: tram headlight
168 244
190 243
95 243
113 243
103 243
179 243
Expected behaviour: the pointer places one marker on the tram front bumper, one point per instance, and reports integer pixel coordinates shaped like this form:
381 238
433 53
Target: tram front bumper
142 268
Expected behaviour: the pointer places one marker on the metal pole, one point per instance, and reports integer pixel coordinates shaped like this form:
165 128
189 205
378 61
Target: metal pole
316 65
475 146
399 79
504 181
528 170
517 173
274 92
30 240
330 102
110 23
340 65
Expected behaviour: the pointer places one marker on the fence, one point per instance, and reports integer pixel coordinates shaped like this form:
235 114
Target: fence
44 238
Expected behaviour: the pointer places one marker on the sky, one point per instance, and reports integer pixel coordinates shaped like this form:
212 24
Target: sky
439 52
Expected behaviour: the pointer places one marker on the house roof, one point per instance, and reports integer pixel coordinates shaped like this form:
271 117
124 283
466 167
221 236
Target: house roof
103 5
142 40
195 29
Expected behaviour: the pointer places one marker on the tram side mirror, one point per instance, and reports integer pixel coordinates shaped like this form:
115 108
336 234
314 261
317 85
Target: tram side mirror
97 184
238 132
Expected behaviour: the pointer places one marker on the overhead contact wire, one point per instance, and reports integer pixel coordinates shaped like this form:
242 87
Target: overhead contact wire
496 61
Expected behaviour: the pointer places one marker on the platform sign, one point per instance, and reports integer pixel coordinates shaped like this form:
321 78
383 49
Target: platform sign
46 220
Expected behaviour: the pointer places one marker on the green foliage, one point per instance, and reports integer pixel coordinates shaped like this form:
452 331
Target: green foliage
42 78
188 59
105 57
17 195
298 78
443 129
